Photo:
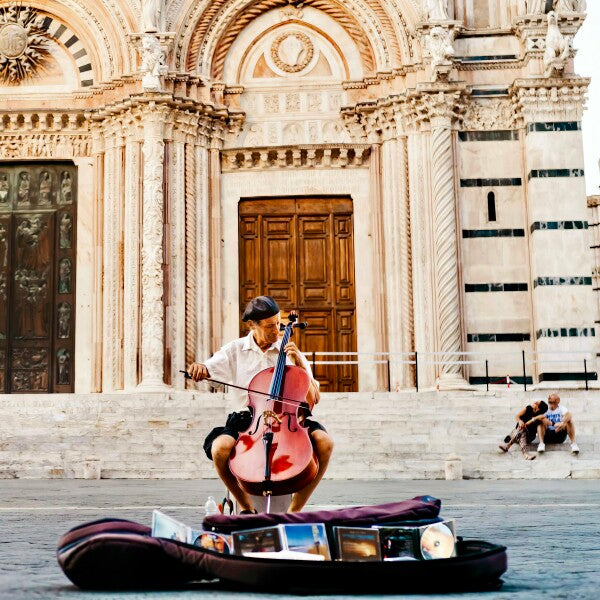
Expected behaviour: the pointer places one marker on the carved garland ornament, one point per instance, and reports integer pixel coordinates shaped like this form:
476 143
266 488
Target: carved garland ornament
292 51
23 44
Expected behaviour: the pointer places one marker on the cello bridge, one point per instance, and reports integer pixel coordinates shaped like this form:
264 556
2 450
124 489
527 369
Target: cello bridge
269 414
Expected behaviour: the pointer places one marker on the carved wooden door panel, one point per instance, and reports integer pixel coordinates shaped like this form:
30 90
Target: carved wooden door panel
37 277
300 251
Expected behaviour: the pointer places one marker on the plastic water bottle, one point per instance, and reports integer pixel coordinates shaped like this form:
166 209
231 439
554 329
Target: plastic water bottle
210 508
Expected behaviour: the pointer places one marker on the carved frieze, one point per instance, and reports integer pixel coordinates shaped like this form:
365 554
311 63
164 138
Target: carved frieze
489 114
43 135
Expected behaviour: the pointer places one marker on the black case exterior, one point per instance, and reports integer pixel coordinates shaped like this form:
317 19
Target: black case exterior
121 555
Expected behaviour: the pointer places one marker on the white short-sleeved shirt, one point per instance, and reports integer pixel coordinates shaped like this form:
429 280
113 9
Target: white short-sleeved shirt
239 361
557 415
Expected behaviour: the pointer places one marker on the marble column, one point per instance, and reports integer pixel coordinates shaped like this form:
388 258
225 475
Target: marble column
440 109
153 318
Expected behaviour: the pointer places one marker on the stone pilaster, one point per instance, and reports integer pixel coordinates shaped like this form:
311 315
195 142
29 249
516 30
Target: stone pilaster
215 235
112 310
202 291
422 255
439 108
396 245
563 306
98 233
131 253
153 318
176 217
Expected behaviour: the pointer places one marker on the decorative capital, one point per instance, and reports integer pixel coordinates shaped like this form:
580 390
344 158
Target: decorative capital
550 99
440 106
375 122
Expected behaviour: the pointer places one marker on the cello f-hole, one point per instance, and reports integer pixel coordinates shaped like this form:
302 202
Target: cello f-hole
257 425
289 416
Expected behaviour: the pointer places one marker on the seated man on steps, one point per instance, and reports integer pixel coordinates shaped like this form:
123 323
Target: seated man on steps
237 363
557 424
528 425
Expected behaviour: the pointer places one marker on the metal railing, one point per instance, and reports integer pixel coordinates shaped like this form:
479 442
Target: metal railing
526 361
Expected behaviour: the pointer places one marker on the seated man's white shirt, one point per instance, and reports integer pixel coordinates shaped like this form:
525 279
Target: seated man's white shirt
556 416
239 361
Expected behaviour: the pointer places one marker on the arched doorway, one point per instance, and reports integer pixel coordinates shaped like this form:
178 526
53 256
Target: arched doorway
301 252
37 276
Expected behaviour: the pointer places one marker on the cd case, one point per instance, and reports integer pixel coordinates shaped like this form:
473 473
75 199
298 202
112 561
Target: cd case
310 538
164 526
424 542
357 543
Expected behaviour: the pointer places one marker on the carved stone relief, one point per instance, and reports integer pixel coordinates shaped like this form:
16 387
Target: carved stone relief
65 276
66 189
489 115
4 188
557 48
29 370
66 230
63 367
24 188
292 51
45 189
23 44
64 320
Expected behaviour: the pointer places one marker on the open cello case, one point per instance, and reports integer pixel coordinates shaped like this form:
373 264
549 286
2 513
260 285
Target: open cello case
114 554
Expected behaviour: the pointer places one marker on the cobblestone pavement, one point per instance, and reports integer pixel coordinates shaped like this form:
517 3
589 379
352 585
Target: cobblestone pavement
551 528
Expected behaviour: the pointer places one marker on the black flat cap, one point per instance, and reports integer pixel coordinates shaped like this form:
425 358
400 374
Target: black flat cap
261 307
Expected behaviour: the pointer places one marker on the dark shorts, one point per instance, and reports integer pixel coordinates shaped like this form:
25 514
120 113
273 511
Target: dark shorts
240 421
555 437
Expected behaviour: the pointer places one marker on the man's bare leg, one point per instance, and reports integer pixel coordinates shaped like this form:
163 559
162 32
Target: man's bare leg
323 446
221 449
570 429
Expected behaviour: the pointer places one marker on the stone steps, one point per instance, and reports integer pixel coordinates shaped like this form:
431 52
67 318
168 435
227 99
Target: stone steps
400 435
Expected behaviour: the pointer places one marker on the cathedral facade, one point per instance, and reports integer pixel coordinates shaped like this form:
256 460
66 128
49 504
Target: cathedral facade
407 173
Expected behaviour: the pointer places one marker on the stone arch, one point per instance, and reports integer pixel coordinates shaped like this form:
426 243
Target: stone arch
73 45
207 30
101 28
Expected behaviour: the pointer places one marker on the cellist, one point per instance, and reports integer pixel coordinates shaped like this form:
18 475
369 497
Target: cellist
237 363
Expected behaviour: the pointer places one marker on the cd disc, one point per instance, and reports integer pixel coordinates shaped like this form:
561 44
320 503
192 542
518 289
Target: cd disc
437 541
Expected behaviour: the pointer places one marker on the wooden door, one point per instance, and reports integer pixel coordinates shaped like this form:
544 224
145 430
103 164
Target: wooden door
301 252
37 277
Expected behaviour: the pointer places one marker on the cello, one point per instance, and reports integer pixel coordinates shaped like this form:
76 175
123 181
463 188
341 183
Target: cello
274 456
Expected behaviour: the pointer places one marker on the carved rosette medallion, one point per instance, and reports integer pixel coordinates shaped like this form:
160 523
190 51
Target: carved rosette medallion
23 44
292 51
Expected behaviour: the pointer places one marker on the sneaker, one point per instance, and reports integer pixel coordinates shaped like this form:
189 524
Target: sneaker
541 447
574 448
